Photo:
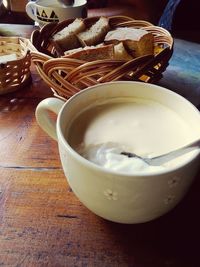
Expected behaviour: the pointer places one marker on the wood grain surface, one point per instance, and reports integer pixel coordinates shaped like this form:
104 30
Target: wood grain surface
42 223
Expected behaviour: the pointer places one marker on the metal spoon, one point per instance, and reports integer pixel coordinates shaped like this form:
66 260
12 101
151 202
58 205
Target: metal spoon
156 161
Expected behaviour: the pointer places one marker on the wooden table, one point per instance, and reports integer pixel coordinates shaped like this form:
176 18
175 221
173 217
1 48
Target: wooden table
42 223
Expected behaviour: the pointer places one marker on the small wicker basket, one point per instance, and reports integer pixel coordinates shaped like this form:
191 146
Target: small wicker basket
67 76
14 74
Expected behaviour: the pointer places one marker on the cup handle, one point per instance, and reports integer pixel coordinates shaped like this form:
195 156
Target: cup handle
30 10
43 116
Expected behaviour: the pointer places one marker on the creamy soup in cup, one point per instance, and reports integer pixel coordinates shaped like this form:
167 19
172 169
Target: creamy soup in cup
142 118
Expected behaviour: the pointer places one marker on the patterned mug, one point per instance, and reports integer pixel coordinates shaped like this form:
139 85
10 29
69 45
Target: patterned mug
46 11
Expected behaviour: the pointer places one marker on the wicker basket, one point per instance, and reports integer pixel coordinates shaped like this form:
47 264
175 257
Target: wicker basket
14 74
67 76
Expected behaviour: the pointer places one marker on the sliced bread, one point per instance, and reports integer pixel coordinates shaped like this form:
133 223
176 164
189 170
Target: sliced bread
98 52
121 53
138 41
91 53
96 33
66 38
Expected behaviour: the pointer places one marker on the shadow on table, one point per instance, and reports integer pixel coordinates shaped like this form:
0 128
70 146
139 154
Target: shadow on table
169 241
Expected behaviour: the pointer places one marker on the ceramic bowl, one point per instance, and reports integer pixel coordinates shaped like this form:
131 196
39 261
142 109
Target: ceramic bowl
122 198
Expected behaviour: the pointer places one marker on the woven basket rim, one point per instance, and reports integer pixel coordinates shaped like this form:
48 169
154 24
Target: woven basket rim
50 65
15 73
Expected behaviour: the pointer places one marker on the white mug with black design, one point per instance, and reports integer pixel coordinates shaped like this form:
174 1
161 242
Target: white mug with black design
46 11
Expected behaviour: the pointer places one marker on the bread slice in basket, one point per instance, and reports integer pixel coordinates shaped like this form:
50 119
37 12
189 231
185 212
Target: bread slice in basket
121 53
96 33
99 52
99 41
67 37
138 41
90 53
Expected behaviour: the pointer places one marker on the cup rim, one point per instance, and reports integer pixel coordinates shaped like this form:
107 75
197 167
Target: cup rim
96 167
81 3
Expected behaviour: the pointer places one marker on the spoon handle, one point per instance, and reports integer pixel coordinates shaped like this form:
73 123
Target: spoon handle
173 154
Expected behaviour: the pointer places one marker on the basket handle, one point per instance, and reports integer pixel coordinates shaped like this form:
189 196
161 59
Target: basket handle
43 118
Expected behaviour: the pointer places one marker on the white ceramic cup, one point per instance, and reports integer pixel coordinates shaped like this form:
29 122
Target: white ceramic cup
122 198
46 11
